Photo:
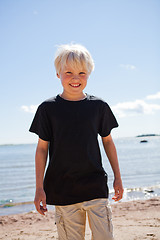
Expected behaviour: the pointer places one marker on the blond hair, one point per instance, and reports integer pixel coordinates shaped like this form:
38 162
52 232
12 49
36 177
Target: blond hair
74 55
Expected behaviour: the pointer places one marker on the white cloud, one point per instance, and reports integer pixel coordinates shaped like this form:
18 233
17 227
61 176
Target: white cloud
122 109
30 109
134 108
154 96
128 66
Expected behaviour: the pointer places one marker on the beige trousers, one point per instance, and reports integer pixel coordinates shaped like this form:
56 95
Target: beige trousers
71 220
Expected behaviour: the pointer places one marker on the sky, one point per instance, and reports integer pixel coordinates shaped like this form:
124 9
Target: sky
123 38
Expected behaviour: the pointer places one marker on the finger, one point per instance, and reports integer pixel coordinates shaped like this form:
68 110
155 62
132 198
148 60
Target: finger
121 193
38 207
43 210
44 204
115 198
118 195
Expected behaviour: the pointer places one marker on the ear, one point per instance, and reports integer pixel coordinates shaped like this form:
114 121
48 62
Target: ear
58 75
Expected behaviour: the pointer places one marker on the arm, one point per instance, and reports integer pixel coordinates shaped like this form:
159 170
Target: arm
40 164
111 153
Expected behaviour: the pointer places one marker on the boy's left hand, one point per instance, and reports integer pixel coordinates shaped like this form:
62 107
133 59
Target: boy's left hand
118 188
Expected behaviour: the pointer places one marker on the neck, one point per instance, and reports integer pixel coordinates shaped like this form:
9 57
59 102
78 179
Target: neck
73 97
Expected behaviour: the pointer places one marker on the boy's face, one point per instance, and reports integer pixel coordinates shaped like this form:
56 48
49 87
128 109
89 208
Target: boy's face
73 81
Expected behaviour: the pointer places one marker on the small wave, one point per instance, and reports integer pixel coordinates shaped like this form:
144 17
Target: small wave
10 203
139 189
137 193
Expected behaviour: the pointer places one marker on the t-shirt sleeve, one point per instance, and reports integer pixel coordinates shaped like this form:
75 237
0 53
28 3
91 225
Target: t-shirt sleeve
41 124
107 121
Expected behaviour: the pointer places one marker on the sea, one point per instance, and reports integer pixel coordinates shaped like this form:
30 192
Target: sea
139 163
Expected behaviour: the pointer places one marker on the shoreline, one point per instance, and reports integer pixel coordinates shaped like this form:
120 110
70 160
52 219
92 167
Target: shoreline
130 194
132 220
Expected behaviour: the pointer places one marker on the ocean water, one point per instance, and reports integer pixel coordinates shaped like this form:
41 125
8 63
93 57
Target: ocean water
139 164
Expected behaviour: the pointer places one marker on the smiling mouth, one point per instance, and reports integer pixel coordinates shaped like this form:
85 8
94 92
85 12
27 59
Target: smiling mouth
75 85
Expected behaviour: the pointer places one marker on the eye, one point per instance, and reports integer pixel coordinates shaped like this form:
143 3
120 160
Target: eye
68 73
82 73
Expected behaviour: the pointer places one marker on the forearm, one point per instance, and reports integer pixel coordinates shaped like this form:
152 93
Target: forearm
40 164
111 153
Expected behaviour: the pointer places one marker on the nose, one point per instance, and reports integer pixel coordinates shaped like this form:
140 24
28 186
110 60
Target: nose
75 77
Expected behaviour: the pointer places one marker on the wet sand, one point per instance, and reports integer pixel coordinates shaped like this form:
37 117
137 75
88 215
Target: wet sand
135 220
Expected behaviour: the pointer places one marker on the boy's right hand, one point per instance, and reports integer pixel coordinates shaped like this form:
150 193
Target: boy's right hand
40 196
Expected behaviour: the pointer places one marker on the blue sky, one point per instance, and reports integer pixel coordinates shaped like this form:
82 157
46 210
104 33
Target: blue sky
123 37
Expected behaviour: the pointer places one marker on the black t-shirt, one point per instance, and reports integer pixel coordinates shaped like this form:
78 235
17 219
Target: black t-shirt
75 172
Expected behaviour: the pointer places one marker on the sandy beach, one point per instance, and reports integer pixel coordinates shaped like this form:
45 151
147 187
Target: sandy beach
135 220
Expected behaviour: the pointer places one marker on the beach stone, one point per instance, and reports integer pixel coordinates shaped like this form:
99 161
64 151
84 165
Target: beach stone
151 234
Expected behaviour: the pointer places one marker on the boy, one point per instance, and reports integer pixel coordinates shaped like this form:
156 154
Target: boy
69 124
